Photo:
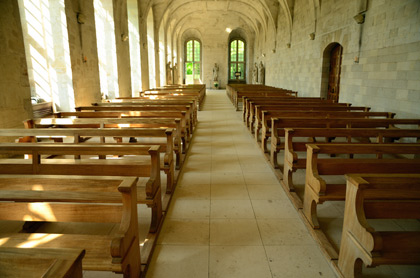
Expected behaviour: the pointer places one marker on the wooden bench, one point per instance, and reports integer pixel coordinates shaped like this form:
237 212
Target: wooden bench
320 168
151 100
178 91
276 141
148 136
191 103
297 138
264 114
76 199
140 108
279 124
250 102
379 197
41 262
238 96
179 141
236 92
174 92
185 121
146 166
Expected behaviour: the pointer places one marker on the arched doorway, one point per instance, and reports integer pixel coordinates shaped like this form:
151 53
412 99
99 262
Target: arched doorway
330 86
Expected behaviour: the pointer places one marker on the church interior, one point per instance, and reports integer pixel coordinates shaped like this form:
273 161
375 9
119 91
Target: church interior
209 138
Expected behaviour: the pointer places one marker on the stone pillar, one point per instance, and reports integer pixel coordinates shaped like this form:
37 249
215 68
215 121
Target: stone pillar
15 94
157 51
122 47
144 56
83 51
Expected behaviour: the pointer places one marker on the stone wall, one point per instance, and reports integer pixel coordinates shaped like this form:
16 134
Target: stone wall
387 75
214 42
15 95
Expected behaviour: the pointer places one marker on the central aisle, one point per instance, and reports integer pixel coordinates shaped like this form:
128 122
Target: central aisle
229 216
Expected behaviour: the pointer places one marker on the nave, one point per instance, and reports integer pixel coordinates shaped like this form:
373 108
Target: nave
229 215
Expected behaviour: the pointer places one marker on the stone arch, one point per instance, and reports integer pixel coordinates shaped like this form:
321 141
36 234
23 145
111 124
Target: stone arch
326 60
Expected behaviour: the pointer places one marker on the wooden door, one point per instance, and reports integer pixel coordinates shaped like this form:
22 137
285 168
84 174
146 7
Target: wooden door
335 70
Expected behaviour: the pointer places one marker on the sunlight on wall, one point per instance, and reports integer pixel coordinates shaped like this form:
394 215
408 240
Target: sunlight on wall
105 37
133 29
151 50
46 41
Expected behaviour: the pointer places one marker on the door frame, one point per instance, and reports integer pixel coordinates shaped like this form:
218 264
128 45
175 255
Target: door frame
326 68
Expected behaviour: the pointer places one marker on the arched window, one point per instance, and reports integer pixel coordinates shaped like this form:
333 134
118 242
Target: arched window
192 69
237 61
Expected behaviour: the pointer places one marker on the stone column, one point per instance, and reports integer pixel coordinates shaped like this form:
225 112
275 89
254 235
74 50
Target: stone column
83 51
144 56
157 50
15 94
122 47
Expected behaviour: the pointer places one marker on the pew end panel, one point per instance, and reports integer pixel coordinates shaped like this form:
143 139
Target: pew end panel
118 252
379 197
318 190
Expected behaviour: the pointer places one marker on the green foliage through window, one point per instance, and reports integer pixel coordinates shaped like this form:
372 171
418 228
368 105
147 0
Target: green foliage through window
237 59
192 61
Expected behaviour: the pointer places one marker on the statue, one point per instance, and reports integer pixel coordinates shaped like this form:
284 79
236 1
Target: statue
255 74
168 73
261 74
215 72
176 74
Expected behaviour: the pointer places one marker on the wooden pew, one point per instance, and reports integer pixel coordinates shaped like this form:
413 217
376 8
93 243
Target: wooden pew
279 124
261 112
146 165
41 262
192 103
236 92
185 121
179 141
174 92
264 114
149 136
379 197
238 96
320 168
130 108
276 142
75 199
178 91
247 101
153 100
250 105
297 138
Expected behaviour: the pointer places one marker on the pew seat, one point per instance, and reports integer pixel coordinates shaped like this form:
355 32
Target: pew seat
76 199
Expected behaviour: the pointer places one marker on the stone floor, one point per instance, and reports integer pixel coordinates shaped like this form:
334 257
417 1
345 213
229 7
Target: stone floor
229 216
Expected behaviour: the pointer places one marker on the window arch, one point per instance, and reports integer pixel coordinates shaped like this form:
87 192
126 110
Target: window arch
192 67
237 61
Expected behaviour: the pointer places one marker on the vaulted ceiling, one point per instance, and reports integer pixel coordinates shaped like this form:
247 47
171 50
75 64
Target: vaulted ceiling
259 16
